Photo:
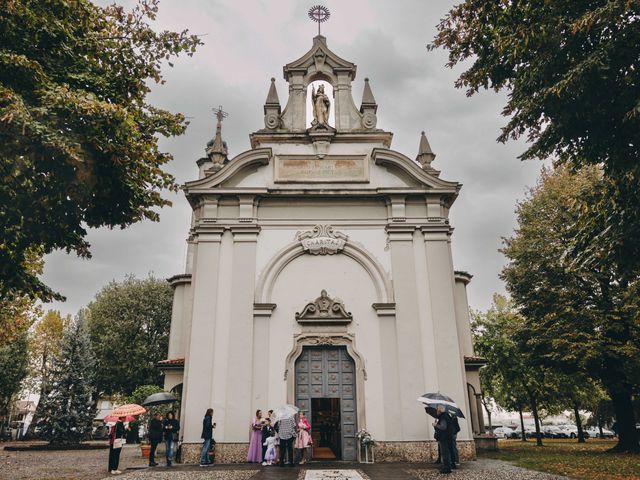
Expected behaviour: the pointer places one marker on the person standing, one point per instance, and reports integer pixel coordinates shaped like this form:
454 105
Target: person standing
267 431
455 428
286 428
303 440
255 442
155 437
116 441
207 437
171 427
443 435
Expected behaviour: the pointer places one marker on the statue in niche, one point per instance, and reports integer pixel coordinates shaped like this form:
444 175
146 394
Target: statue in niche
321 105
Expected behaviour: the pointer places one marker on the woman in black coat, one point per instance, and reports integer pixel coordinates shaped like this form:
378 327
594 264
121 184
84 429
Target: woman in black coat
171 426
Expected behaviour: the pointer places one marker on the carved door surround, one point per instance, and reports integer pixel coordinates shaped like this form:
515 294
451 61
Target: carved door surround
316 339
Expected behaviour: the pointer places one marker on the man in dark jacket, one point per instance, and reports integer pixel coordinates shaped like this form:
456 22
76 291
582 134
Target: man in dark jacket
455 428
207 436
155 437
443 428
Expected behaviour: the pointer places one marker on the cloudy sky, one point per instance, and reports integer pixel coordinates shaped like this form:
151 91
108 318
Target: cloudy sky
246 43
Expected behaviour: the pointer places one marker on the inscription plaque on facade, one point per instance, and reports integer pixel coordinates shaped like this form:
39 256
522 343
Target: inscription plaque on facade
332 168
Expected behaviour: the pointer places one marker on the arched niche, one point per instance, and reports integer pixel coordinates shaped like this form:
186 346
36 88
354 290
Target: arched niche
270 273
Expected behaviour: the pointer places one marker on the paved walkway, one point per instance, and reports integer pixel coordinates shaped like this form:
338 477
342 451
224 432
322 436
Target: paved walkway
481 469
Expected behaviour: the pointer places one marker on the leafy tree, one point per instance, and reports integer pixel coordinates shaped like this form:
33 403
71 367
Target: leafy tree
511 375
129 324
17 314
572 71
78 137
582 318
44 346
15 366
69 408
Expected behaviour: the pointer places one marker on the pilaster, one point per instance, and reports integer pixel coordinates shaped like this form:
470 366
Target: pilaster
408 333
449 360
199 362
242 339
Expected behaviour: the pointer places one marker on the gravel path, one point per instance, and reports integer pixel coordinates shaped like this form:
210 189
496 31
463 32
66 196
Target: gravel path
485 468
92 465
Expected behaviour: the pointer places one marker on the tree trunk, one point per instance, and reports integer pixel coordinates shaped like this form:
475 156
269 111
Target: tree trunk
485 404
524 437
623 407
600 423
576 412
536 419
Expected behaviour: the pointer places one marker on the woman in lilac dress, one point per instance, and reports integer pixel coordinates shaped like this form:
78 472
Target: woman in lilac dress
255 442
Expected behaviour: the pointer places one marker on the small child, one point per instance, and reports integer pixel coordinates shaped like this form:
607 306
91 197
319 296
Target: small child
270 455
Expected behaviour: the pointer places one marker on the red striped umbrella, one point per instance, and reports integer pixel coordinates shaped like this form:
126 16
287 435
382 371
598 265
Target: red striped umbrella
129 409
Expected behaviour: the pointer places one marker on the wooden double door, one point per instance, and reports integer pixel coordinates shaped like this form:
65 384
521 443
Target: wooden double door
329 373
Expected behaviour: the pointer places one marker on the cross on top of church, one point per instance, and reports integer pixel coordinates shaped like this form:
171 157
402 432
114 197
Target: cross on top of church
319 14
220 114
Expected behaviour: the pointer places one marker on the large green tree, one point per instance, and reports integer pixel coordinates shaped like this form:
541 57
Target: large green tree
512 376
572 71
78 137
129 323
68 408
583 319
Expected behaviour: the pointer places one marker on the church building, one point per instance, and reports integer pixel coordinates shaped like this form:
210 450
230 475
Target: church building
319 273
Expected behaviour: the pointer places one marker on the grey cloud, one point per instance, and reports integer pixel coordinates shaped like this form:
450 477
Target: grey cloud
247 43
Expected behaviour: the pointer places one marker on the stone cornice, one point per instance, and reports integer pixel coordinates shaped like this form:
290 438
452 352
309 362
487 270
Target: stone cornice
393 159
249 158
286 136
463 277
384 309
179 279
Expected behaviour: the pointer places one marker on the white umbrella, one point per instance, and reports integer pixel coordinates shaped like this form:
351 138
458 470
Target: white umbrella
285 411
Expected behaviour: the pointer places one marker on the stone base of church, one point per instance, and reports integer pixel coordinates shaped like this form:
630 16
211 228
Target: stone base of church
425 451
225 452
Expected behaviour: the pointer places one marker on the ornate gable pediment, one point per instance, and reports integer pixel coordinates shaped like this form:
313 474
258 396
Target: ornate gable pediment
324 310
322 59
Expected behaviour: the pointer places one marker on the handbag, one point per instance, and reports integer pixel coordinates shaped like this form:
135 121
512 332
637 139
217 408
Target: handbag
119 442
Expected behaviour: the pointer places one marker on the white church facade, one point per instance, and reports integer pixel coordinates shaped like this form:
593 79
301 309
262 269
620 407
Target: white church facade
319 273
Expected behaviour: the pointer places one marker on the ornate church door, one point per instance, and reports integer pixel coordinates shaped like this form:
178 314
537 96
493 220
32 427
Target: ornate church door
326 391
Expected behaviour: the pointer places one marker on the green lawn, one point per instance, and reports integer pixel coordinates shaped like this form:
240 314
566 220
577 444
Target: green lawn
588 461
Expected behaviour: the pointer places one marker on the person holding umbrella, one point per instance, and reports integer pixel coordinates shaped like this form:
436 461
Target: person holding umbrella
443 428
116 441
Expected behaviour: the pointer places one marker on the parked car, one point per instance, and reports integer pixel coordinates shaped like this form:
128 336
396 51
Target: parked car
551 431
595 433
504 432
572 431
529 431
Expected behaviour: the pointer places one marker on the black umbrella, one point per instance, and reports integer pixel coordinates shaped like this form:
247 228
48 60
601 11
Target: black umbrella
159 399
433 400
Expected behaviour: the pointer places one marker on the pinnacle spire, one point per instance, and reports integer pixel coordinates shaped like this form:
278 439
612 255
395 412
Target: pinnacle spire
217 148
272 96
425 154
368 99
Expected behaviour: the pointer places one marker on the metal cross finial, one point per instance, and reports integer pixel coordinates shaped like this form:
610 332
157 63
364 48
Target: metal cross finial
320 14
220 114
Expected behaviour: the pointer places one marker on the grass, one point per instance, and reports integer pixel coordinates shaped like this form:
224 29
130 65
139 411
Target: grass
584 461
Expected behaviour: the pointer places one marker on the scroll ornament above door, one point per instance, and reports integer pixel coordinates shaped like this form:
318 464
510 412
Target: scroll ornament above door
324 310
